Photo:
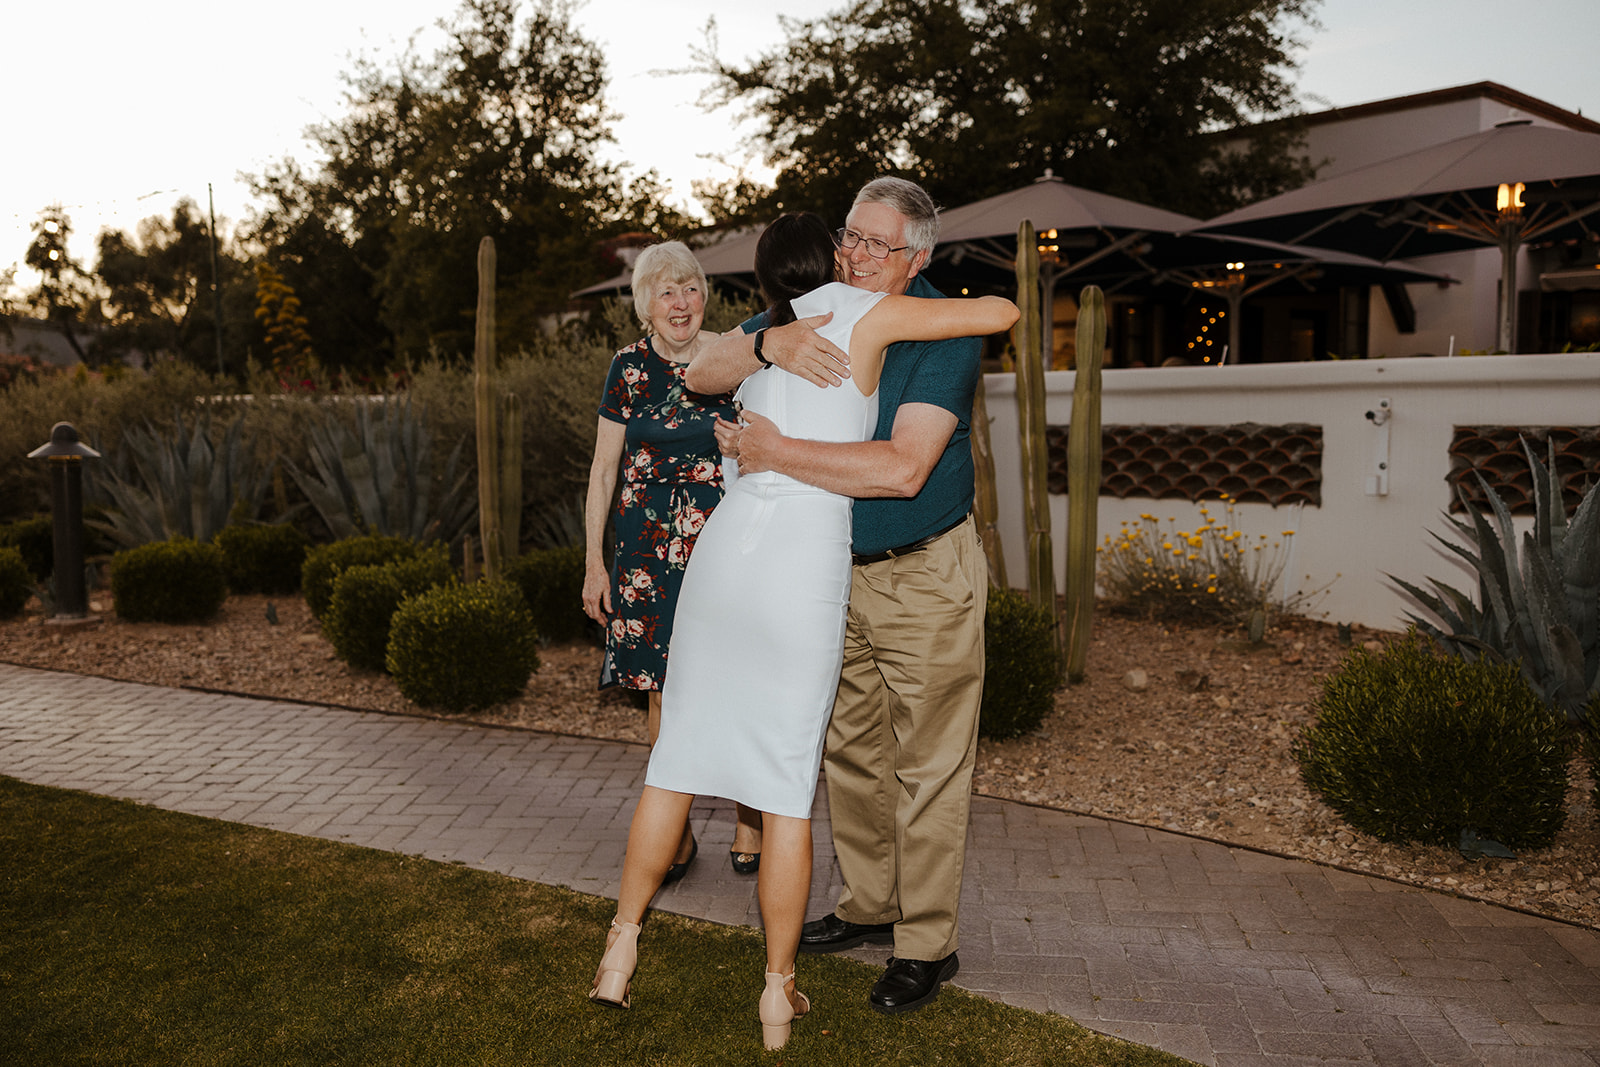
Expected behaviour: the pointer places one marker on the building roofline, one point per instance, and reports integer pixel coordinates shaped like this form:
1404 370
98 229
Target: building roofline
1492 90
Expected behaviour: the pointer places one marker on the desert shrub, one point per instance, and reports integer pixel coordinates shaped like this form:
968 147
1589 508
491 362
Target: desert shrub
1023 669
1537 589
100 408
1413 745
16 583
365 598
551 581
168 581
463 647
263 559
35 538
1215 573
324 563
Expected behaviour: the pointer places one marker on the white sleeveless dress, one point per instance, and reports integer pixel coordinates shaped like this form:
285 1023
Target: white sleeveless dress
758 639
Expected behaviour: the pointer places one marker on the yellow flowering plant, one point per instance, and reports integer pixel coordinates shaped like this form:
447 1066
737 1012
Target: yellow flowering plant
1213 573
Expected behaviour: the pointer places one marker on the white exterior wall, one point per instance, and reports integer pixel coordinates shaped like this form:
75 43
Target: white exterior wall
1354 535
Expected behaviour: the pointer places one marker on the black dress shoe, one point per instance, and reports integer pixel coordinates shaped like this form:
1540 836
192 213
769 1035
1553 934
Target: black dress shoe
909 984
676 872
745 862
832 934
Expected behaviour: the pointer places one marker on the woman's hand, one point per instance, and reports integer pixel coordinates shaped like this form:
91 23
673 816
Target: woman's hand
597 594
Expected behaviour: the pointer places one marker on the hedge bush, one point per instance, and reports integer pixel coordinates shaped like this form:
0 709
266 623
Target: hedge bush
16 583
35 538
1023 670
551 581
463 647
263 559
168 581
1413 745
324 563
365 598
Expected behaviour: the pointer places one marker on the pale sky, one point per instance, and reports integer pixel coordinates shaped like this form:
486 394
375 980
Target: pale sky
116 110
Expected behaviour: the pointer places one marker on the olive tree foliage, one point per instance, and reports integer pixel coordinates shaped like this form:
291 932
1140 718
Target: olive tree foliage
66 295
159 298
976 97
495 135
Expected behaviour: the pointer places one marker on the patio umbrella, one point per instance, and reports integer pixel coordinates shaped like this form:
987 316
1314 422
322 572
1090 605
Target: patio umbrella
1124 246
1064 216
730 256
1502 187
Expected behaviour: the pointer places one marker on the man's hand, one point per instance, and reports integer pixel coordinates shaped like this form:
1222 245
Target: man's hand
800 350
753 442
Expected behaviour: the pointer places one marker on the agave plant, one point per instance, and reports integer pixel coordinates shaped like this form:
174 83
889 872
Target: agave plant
380 479
1539 607
155 488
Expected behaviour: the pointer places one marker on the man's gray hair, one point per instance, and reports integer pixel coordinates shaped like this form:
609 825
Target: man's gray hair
910 200
669 261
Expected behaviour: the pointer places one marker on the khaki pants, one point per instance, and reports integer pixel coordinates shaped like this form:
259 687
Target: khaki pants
903 738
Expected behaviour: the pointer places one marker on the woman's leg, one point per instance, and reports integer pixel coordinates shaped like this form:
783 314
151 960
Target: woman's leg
784 886
652 843
747 832
685 838
650 848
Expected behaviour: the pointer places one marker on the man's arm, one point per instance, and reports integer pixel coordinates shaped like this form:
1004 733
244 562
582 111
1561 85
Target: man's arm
897 467
797 348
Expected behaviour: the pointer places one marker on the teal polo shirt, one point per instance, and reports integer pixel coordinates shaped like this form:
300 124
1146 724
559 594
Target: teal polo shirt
941 373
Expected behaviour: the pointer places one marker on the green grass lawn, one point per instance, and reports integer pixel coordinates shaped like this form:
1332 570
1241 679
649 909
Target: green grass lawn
131 935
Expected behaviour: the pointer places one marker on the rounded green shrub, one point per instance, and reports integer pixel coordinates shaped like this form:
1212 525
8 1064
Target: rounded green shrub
463 647
324 563
180 580
263 559
1023 669
35 538
16 583
551 581
364 600
1413 745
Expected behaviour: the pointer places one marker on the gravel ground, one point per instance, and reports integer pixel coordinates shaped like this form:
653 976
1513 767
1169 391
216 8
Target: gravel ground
1199 745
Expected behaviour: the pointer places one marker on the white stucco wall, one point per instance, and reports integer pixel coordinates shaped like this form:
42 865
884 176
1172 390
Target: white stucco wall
1353 535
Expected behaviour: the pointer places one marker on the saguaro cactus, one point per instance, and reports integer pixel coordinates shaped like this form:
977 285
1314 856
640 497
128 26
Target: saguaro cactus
986 502
1083 478
499 420
1029 338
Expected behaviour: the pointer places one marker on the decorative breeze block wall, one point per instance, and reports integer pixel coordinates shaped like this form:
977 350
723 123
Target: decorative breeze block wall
1249 462
1496 453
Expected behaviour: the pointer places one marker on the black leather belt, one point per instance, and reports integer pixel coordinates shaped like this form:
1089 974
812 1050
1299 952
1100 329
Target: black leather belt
862 558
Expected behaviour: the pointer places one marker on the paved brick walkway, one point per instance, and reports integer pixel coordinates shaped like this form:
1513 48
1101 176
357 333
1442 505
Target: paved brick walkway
1224 956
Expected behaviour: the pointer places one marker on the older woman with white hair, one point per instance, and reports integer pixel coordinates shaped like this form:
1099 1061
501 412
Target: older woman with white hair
660 436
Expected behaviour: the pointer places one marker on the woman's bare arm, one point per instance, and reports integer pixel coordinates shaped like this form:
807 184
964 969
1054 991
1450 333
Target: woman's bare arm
610 438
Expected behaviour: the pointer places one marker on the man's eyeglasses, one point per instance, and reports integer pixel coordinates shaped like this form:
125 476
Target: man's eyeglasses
877 249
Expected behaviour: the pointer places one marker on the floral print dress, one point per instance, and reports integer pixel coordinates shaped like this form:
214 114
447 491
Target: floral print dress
671 479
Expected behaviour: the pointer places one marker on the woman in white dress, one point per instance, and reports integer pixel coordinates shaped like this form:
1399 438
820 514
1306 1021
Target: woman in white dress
759 634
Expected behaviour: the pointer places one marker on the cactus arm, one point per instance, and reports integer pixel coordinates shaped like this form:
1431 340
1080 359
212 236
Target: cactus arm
483 358
986 503
1083 478
510 449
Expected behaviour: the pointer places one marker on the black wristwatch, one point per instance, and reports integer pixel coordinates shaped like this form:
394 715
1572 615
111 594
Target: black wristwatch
763 360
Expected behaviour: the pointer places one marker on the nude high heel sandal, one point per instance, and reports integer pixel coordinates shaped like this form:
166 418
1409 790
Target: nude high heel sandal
778 1012
616 967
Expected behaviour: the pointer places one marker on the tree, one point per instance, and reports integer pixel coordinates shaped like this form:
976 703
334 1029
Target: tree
975 97
288 342
66 296
496 135
158 291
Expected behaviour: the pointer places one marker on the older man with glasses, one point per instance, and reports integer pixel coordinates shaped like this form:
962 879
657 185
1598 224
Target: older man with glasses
904 731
